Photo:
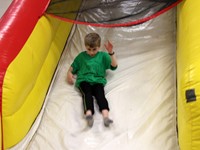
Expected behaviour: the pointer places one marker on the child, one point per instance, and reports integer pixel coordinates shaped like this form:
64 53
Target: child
90 67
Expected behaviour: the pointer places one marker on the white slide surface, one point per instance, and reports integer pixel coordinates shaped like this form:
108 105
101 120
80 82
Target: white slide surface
141 93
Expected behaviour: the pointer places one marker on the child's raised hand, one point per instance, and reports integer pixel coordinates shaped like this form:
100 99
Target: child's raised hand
109 47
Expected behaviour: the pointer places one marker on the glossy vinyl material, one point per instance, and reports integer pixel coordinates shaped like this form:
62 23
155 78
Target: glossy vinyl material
141 93
188 75
108 13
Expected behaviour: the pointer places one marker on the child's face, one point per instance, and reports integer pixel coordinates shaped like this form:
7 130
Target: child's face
92 51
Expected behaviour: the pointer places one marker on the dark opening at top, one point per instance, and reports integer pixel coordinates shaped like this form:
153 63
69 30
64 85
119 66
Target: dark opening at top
109 13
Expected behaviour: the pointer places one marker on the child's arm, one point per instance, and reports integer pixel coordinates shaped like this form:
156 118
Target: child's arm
70 76
109 48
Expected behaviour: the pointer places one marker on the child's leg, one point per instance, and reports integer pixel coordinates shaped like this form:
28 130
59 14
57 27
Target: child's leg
99 94
88 104
106 119
105 113
86 91
88 113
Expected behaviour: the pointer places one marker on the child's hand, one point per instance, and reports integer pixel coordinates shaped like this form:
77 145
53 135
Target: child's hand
70 78
109 47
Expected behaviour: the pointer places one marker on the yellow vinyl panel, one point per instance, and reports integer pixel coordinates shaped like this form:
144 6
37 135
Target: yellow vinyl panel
63 8
188 74
28 77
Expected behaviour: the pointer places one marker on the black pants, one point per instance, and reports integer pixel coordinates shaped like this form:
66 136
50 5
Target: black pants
96 90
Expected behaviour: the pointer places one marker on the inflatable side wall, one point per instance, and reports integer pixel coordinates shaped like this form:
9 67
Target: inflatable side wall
188 75
28 77
31 46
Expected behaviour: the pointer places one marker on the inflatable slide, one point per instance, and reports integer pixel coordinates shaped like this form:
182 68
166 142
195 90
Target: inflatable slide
153 94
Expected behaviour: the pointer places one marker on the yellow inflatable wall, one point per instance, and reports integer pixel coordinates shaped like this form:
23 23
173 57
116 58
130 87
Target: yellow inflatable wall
188 74
31 68
29 75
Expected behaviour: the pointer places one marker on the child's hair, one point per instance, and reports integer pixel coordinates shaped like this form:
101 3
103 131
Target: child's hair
92 40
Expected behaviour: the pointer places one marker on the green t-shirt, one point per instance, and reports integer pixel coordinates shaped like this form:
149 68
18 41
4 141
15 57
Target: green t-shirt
91 69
